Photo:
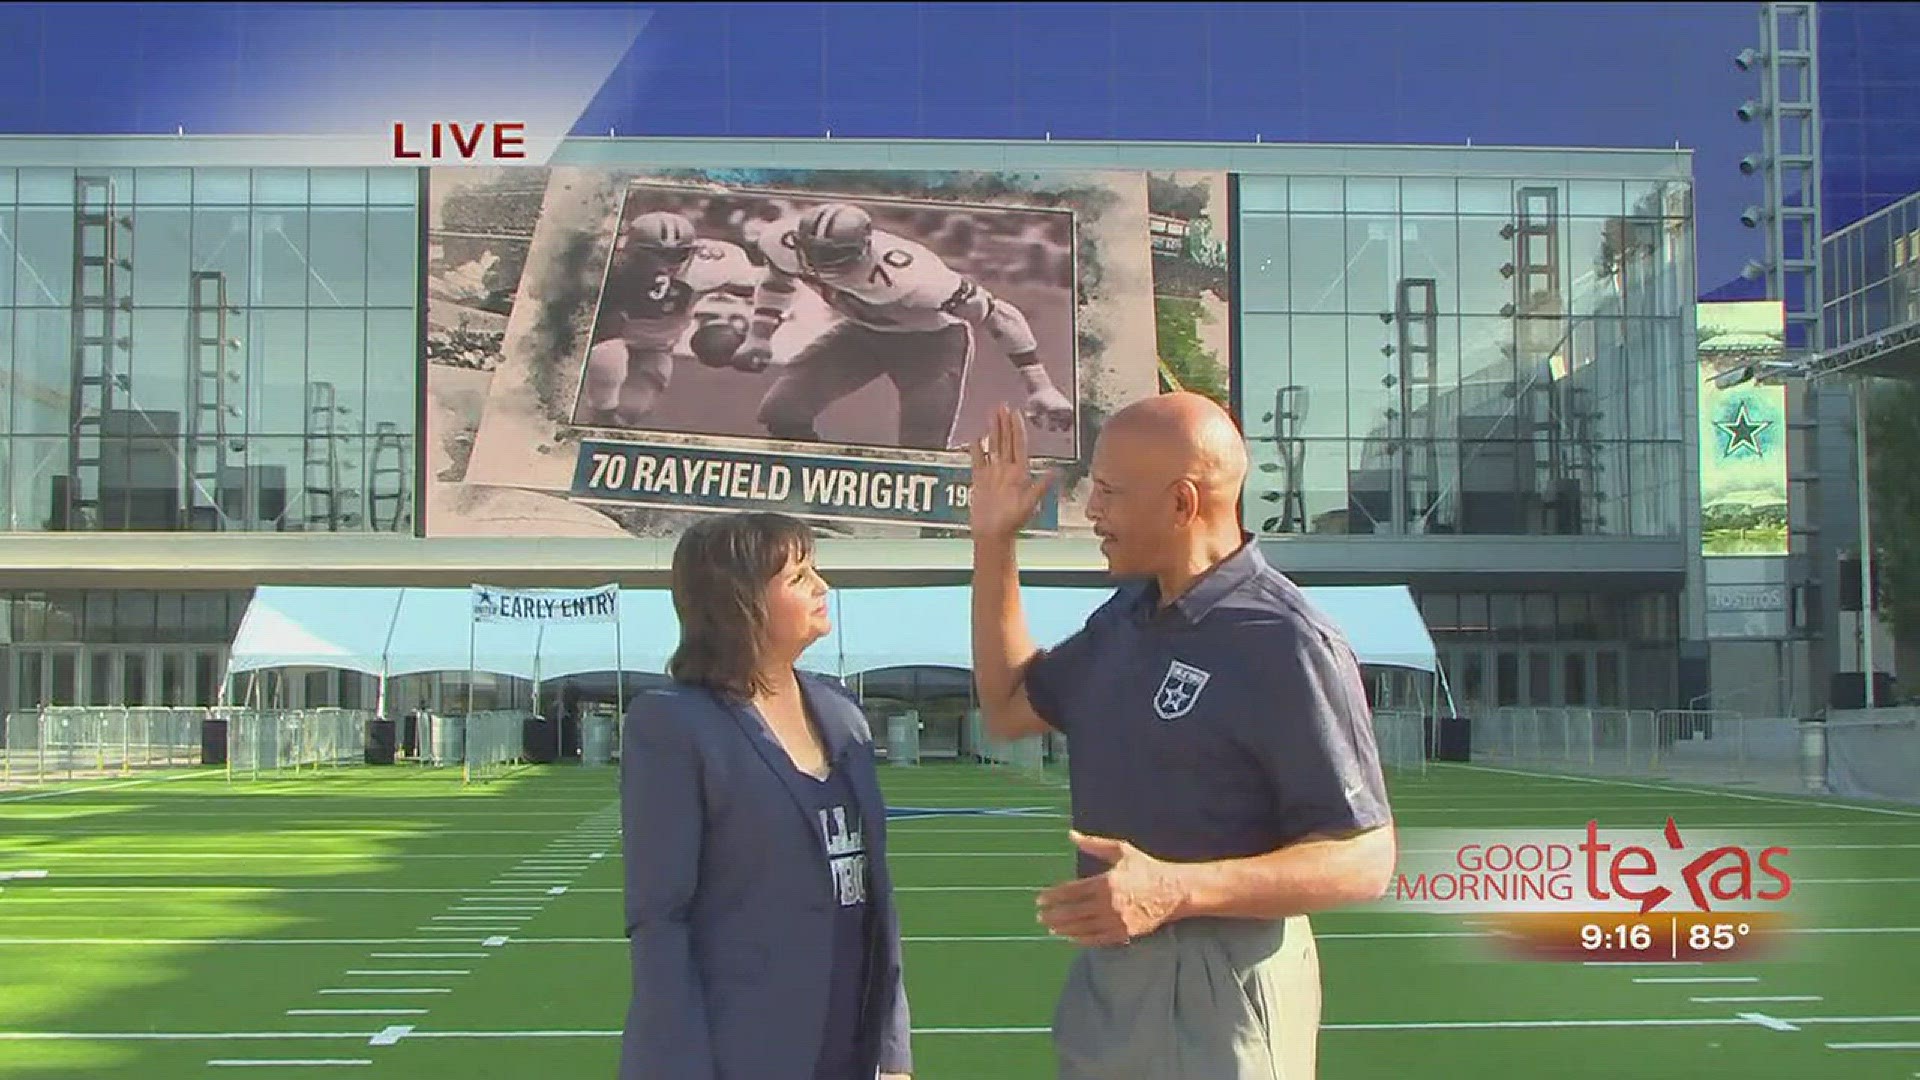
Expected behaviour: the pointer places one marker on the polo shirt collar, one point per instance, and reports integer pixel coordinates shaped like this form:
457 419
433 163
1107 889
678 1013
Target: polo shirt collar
1224 579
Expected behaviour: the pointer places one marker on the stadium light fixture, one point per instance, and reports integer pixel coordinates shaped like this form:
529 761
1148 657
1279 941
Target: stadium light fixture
1750 110
1751 164
1748 59
1752 216
1754 270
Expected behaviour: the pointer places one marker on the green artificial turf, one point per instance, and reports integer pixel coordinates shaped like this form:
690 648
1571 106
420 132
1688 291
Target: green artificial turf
186 919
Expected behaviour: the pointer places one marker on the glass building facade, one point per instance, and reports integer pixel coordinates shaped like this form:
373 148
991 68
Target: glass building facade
1476 356
1872 279
208 349
1444 357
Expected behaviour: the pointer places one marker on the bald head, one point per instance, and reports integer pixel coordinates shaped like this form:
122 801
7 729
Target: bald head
1185 436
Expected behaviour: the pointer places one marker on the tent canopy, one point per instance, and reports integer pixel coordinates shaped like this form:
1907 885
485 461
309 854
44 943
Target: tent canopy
402 631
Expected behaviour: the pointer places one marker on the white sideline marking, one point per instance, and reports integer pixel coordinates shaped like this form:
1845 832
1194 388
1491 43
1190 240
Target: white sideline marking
1701 979
96 787
428 955
356 1012
480 918
494 909
22 875
375 971
1745 1000
598 855
287 1061
1875 1046
388 990
1689 790
393 1034
1640 963
1766 1021
557 890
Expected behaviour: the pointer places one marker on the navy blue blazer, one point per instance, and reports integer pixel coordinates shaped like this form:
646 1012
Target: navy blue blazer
730 903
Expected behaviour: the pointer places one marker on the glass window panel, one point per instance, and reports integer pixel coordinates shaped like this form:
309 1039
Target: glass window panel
162 256
393 365
393 257
1475 618
1575 620
1876 254
1316 194
133 678
168 616
1372 264
1598 198
277 373
7 186
1506 679
1539 616
1486 196
1373 194
1440 611
134 614
43 242
6 379
1879 308
1484 289
39 186
160 374
1370 475
1486 400
162 187
1594 261
337 187
1427 195
64 677
281 271
279 187
1263 262
1318 364
1317 261
1430 248
1264 369
1606 692
28 689
206 667
9 244
1259 193
222 187
337 362
393 187
1506 615
101 684
338 253
42 371
221 243
1540 678
1300 490
1373 377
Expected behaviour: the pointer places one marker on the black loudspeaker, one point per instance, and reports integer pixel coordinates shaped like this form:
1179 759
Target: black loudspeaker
541 741
1451 738
1848 690
380 742
213 742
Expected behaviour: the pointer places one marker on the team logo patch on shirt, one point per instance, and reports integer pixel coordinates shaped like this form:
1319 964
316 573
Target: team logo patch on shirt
1179 689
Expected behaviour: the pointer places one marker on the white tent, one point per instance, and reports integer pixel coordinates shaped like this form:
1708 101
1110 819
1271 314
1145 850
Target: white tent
386 632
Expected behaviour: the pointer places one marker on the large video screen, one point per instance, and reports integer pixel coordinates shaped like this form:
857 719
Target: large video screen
613 351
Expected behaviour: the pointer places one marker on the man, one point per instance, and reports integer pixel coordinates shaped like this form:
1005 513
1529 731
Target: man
661 272
1224 777
903 313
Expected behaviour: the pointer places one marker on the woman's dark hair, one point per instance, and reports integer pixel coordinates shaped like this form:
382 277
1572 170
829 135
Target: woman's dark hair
721 567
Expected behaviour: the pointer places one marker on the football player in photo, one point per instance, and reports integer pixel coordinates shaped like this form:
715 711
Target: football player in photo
661 272
903 314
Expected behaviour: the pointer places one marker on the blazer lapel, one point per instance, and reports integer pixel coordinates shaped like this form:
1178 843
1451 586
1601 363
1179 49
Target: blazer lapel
761 737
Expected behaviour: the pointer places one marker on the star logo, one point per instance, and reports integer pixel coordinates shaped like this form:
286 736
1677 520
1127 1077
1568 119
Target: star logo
1742 431
1178 691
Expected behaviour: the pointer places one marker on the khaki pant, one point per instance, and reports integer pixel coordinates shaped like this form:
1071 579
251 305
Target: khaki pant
1204 999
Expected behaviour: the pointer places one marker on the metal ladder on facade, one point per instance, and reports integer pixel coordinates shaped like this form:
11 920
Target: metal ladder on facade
97 376
208 440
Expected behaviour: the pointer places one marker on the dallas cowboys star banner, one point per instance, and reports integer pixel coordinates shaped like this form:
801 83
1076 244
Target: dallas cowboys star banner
494 605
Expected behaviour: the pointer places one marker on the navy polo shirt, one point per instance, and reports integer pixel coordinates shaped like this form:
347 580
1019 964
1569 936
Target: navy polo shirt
1229 723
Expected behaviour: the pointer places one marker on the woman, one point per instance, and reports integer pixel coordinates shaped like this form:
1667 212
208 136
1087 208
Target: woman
765 941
